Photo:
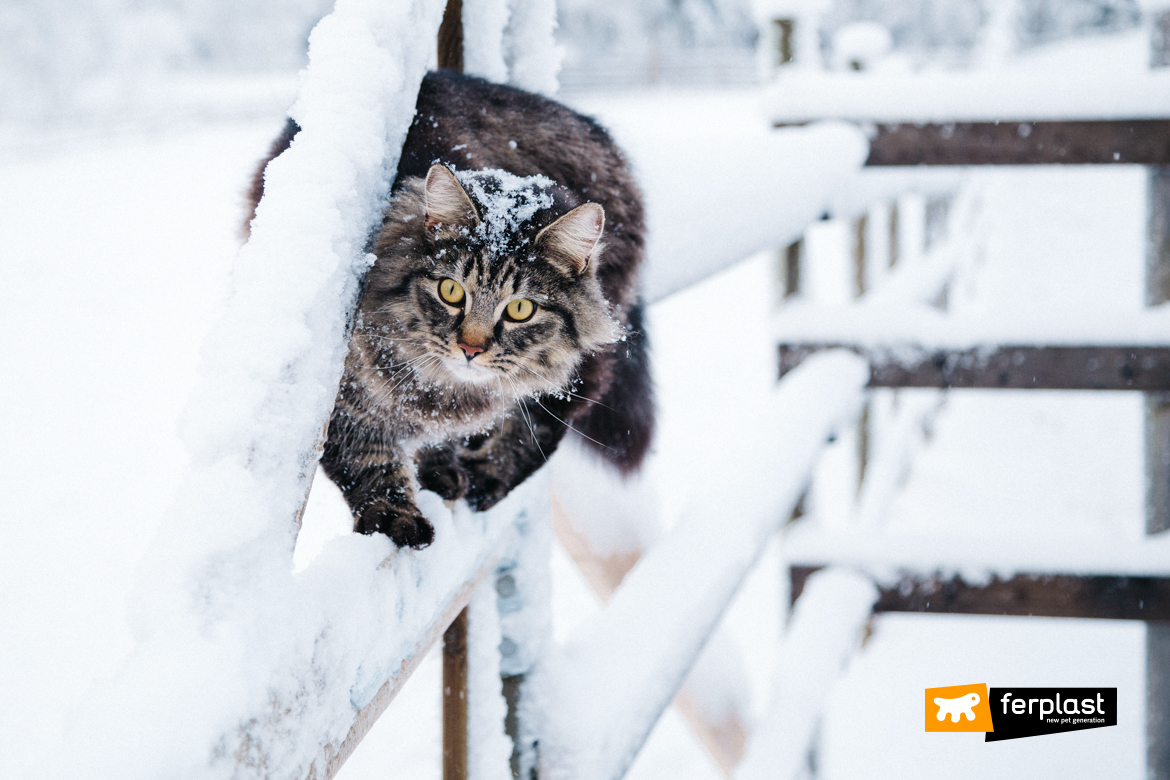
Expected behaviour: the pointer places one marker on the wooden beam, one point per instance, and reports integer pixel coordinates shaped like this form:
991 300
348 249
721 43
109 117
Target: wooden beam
1130 141
1007 367
450 41
455 699
1055 595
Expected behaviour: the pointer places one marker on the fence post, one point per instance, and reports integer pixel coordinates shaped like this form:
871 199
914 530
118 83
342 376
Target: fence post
523 582
1157 467
455 699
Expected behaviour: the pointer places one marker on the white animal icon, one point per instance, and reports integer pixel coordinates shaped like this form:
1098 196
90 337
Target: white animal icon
963 705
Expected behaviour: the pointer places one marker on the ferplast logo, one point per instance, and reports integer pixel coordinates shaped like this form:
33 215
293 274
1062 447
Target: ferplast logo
1012 713
958 708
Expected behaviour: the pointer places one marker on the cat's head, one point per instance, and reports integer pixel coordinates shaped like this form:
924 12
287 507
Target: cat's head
488 280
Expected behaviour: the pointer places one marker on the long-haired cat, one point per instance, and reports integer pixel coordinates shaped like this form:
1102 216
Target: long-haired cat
501 311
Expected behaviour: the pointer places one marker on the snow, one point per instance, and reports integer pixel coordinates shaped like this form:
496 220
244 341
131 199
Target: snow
759 187
605 688
484 24
533 54
1049 85
507 202
825 630
107 303
488 748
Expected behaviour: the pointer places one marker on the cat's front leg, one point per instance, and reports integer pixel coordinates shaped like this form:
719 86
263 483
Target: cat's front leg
519 444
439 471
376 482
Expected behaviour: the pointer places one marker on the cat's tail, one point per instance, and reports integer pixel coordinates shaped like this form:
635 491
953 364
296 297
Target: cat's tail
620 426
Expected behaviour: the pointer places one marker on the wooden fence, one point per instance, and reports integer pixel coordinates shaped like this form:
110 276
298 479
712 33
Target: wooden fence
1136 366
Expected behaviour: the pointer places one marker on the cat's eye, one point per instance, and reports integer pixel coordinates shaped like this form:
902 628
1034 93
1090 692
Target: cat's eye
451 291
520 310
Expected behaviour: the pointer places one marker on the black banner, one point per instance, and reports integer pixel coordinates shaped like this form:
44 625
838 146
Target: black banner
1029 712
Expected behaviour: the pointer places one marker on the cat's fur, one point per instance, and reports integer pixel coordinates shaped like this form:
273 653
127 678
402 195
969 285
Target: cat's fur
476 400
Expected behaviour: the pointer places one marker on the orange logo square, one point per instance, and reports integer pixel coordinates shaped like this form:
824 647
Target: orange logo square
958 708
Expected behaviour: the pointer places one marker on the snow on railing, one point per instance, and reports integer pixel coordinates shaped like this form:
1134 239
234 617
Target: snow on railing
244 669
824 632
979 95
614 677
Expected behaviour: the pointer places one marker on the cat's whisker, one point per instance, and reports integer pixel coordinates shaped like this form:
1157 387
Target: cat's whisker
528 422
566 391
425 367
570 427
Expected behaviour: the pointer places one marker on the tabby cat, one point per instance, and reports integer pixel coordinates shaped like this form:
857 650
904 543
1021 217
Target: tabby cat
500 313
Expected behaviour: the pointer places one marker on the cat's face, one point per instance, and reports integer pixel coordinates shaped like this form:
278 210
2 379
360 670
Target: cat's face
474 292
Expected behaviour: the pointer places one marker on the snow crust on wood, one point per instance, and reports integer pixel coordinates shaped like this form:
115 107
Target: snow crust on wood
604 690
972 96
737 192
242 669
534 57
885 552
484 23
885 325
825 630
261 692
488 747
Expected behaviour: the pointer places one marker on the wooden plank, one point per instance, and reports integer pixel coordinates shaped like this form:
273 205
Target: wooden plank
1129 141
1007 367
450 39
455 699
1102 597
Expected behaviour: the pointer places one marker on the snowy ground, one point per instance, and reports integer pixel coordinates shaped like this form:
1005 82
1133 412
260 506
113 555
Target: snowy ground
117 252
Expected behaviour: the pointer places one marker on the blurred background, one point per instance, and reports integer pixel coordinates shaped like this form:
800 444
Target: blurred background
104 61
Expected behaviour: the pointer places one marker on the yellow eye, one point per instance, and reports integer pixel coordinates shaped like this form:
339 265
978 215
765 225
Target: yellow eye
520 310
451 291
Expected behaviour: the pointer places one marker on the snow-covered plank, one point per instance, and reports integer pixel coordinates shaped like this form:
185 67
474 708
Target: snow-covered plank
604 690
825 629
889 325
714 200
972 96
884 553
709 701
243 669
1028 595
1007 367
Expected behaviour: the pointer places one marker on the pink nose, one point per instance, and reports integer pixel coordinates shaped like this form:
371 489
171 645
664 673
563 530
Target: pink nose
469 350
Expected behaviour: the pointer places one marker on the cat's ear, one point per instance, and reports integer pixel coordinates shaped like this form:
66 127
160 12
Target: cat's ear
573 239
447 203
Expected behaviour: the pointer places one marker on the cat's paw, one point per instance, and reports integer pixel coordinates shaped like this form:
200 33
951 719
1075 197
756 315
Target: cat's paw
405 525
440 473
485 492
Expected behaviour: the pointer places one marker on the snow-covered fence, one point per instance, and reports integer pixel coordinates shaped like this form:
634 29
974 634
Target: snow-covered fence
244 669
983 118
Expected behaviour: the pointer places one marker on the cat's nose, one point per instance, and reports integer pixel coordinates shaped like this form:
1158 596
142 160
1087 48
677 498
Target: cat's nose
469 350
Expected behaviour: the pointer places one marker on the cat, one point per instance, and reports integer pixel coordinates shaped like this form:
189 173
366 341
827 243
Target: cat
500 313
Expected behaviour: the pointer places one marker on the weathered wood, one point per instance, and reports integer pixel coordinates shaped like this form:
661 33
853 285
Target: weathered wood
1130 141
1115 598
1157 449
1157 696
451 37
1007 367
455 699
